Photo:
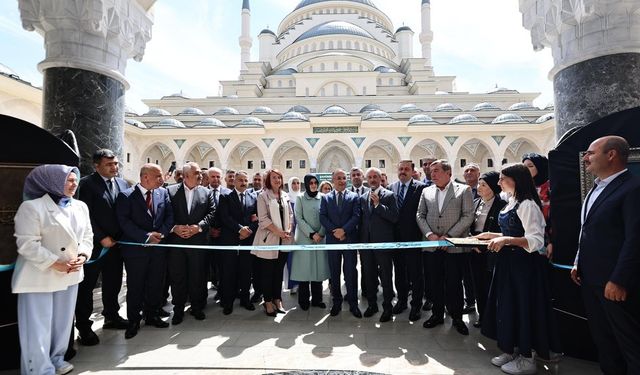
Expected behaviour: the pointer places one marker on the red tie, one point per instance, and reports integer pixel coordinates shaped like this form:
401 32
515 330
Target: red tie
149 202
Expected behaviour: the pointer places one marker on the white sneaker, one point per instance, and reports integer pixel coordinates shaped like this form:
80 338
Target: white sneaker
64 368
503 359
520 366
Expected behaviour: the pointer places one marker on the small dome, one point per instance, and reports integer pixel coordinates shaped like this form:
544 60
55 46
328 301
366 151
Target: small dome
299 109
177 95
267 31
377 115
403 28
227 111
157 112
447 107
550 107
522 106
421 119
370 108
135 123
304 3
507 118
191 111
502 90
545 118
384 69
466 118
210 122
410 108
293 116
442 93
485 107
250 122
169 123
285 72
333 28
335 110
262 111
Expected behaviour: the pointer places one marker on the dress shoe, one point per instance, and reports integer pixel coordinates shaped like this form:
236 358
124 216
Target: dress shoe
156 322
272 313
117 322
227 310
371 311
415 314
132 330
335 310
432 322
386 316
304 305
248 305
427 306
88 338
460 327
399 308
477 324
163 313
320 304
178 317
469 309
356 312
198 314
256 298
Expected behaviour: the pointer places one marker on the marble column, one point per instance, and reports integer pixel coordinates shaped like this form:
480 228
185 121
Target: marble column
87 47
596 50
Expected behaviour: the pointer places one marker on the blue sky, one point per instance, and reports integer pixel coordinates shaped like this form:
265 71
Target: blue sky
195 45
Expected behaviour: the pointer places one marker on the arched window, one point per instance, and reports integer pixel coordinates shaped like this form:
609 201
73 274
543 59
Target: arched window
331 44
348 44
349 91
322 67
379 82
349 66
322 93
364 90
279 83
336 67
391 82
335 89
321 45
306 49
339 44
357 45
306 91
290 83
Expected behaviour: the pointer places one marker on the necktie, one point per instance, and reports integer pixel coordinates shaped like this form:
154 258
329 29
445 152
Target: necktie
340 200
358 191
242 201
110 189
149 202
215 196
401 195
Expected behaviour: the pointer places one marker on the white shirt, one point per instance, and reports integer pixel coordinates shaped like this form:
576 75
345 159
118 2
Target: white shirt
358 190
441 194
188 194
532 221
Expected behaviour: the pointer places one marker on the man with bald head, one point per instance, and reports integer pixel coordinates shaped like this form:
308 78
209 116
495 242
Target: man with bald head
607 266
145 216
193 213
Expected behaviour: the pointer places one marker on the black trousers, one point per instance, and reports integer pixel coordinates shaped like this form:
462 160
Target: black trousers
378 263
271 276
188 275
467 281
445 274
407 265
255 275
481 272
303 292
110 266
615 327
428 295
145 281
236 276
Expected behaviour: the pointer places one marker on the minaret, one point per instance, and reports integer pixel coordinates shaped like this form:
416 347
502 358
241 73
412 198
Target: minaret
245 40
426 36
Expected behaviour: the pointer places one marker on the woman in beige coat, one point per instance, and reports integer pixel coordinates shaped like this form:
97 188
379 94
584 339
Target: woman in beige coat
275 218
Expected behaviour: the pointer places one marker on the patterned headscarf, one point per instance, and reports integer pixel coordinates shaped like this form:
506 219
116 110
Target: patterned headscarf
48 179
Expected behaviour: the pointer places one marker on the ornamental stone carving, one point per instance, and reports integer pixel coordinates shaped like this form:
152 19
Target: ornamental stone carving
95 35
579 30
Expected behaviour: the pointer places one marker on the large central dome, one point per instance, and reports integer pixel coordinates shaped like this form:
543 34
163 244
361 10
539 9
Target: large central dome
304 3
334 27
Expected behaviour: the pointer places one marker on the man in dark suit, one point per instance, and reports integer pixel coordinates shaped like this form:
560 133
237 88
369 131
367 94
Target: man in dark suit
99 191
256 186
445 210
340 215
239 210
357 181
145 216
471 174
378 219
407 263
193 213
216 188
607 265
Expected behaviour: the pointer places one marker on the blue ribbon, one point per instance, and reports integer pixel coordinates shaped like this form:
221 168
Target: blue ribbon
103 252
317 247
562 266
6 267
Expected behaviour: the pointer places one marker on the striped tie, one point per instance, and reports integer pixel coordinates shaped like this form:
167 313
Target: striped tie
401 196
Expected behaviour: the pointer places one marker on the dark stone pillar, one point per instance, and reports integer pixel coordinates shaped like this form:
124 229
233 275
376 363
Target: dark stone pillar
592 89
88 103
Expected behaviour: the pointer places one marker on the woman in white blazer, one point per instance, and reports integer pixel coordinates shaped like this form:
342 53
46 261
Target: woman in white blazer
54 238
275 219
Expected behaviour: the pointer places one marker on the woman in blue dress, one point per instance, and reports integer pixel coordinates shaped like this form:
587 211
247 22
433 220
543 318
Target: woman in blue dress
519 313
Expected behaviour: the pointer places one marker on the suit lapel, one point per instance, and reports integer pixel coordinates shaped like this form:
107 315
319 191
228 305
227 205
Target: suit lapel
613 186
58 216
448 196
194 201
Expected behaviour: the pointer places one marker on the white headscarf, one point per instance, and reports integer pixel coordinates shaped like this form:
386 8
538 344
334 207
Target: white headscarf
293 195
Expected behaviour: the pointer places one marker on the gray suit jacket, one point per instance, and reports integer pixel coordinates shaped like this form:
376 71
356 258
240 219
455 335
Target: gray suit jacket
456 216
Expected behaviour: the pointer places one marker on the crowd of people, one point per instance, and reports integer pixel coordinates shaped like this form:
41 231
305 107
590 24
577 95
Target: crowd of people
506 282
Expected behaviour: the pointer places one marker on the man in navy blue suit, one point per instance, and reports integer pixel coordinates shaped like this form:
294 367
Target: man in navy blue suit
99 191
145 216
340 215
607 265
